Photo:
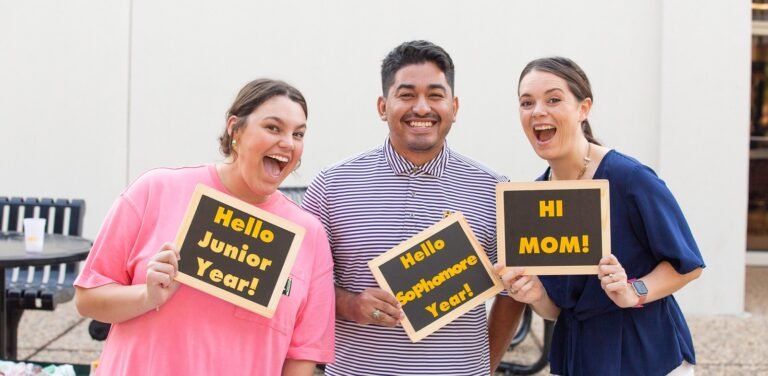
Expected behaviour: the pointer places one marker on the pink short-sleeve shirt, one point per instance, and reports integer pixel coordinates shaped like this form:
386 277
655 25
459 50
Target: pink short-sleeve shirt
195 333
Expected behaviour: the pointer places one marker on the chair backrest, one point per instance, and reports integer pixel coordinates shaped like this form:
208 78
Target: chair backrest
294 193
62 216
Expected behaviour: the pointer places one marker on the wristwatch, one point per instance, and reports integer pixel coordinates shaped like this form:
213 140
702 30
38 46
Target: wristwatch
640 290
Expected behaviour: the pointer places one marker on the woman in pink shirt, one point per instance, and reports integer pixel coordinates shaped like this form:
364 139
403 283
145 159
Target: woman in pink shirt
160 327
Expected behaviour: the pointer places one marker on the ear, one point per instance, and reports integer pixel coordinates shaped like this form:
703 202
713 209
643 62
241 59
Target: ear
584 108
231 121
455 107
381 107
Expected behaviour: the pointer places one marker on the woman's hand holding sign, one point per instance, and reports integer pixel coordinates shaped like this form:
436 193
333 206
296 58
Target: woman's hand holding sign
613 280
161 271
371 306
527 289
521 287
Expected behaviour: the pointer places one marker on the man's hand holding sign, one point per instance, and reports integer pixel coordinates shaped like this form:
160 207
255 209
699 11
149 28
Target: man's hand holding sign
436 276
552 228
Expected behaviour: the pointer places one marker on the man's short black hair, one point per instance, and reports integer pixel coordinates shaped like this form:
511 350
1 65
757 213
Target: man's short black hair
415 52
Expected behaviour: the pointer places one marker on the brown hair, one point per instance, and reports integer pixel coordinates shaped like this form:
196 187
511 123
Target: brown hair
576 79
415 52
250 97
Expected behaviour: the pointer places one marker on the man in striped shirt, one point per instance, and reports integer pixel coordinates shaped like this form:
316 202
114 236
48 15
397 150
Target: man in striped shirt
380 198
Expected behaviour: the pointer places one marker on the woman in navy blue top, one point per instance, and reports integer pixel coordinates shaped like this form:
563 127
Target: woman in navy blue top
624 321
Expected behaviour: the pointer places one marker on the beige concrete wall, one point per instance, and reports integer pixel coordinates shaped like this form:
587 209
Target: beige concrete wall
94 93
64 101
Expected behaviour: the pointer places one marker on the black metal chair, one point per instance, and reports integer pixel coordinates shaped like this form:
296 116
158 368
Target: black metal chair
509 368
41 288
294 193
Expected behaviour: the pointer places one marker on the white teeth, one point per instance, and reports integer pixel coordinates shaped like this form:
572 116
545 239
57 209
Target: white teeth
280 158
542 127
421 124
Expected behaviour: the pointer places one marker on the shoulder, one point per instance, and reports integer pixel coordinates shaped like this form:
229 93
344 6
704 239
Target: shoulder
620 165
630 176
170 175
462 164
360 161
172 182
352 169
290 210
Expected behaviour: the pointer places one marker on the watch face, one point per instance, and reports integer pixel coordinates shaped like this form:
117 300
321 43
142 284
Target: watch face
640 288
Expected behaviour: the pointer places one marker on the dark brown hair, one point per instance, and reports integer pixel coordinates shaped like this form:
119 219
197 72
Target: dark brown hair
250 97
415 52
576 79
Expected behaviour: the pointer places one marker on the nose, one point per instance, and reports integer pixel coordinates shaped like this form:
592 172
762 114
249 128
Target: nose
539 110
421 107
286 141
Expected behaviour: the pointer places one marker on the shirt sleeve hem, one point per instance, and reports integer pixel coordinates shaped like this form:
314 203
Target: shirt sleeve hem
314 355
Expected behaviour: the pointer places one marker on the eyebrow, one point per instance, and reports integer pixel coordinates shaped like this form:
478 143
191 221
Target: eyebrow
279 120
546 92
412 87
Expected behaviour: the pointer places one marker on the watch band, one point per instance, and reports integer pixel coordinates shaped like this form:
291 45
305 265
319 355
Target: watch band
640 297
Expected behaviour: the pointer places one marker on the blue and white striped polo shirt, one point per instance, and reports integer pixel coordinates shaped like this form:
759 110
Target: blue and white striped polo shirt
373 202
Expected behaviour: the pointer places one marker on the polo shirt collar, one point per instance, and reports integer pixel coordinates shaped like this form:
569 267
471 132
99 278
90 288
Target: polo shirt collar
402 166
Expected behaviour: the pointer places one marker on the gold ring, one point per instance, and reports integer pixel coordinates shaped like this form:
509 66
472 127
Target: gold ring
610 276
513 292
376 314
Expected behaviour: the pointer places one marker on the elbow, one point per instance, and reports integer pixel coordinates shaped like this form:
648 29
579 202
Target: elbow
81 302
696 273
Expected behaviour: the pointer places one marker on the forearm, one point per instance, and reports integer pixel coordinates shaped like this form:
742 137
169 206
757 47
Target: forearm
112 303
293 367
664 280
546 308
502 326
343 303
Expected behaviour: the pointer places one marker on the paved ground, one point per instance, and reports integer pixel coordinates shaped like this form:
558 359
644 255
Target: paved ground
725 345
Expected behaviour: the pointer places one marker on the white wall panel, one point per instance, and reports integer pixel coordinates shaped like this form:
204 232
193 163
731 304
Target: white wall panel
63 82
704 147
94 93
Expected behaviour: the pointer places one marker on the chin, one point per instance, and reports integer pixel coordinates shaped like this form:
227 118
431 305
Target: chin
543 153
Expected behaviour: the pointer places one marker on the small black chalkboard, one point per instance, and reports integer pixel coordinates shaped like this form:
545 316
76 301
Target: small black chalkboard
236 251
553 227
437 275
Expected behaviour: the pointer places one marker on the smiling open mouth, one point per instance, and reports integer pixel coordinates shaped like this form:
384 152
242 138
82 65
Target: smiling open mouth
544 132
421 124
274 164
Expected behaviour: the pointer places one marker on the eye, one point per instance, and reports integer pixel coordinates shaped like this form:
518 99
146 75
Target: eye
272 128
526 103
406 95
298 135
437 96
554 100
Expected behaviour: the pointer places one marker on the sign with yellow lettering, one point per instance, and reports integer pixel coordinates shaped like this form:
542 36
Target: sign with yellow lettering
437 275
553 227
236 251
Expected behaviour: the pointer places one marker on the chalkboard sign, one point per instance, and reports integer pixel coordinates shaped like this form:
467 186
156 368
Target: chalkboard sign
553 227
236 251
437 275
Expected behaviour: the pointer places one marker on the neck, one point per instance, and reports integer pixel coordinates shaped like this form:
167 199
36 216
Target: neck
418 157
228 175
571 168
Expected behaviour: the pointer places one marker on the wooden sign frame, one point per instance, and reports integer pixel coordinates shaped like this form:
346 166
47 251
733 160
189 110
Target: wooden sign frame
250 253
526 194
422 241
